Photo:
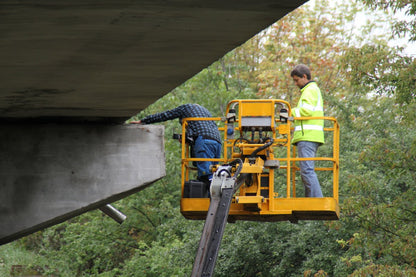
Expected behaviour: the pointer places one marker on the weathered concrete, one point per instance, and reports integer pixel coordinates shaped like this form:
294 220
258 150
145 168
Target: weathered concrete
113 58
51 172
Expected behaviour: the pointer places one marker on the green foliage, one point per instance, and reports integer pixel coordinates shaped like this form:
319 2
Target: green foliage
15 259
381 70
88 245
382 205
278 249
171 254
404 26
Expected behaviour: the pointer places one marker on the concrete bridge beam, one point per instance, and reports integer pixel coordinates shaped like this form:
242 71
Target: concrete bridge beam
51 172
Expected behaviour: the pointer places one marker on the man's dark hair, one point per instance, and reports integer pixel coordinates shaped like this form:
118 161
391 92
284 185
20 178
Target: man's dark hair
301 70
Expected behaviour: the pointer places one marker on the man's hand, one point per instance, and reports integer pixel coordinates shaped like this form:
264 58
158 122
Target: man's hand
136 122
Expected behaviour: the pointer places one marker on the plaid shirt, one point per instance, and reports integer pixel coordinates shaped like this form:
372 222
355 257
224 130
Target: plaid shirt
206 129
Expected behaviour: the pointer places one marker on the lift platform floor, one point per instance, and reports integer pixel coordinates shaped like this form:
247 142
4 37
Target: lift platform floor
282 209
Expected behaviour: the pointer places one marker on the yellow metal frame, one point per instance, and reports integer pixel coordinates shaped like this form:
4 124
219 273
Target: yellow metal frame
260 202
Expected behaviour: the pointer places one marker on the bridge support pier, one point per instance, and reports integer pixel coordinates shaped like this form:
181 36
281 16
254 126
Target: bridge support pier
51 172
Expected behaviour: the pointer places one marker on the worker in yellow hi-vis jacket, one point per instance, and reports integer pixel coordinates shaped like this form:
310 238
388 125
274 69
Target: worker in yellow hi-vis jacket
308 134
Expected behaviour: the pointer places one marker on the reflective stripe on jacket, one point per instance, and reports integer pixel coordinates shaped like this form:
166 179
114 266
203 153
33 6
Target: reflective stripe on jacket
310 105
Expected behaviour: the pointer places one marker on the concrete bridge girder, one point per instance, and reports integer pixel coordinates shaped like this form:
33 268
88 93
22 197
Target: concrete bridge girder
51 172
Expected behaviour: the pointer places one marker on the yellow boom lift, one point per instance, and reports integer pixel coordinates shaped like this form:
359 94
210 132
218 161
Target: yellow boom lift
258 164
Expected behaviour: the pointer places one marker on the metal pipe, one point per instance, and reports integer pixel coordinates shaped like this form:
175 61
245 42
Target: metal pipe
112 212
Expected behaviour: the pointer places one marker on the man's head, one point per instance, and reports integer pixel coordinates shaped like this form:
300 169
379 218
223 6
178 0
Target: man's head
301 75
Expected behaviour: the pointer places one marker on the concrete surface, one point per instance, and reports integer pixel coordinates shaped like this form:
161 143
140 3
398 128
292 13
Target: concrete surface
113 58
52 172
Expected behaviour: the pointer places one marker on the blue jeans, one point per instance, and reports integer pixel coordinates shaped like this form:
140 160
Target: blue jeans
206 148
307 149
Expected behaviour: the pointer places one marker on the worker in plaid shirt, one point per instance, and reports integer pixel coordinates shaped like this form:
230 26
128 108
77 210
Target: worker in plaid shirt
205 134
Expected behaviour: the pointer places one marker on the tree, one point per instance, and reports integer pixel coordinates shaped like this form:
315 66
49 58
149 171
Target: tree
404 26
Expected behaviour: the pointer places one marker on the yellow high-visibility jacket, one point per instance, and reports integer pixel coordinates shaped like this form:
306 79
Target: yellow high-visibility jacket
310 104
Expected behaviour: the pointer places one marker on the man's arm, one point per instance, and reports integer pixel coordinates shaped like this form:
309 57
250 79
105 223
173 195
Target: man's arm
162 116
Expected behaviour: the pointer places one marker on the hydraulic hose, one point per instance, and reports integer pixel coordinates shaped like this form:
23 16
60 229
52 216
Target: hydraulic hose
261 148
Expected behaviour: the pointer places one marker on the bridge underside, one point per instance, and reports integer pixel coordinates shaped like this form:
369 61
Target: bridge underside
113 58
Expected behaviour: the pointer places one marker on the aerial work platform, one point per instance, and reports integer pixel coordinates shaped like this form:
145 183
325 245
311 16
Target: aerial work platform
258 133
